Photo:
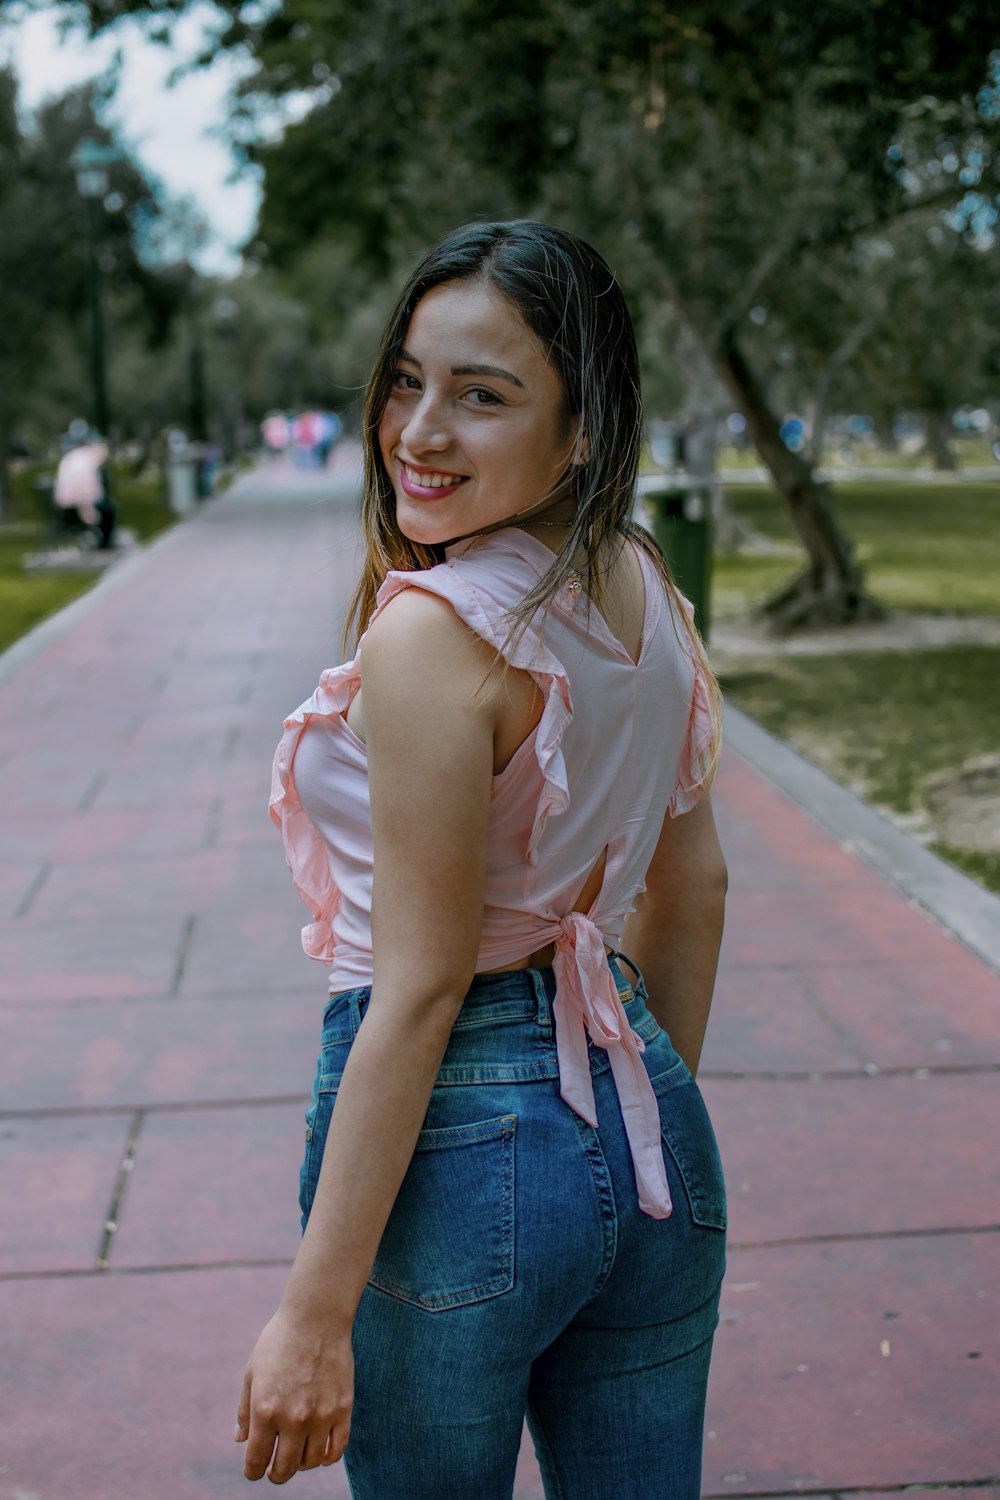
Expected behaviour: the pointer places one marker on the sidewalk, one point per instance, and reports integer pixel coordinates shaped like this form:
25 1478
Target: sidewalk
158 1028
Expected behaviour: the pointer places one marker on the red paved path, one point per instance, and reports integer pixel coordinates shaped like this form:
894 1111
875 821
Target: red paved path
157 1034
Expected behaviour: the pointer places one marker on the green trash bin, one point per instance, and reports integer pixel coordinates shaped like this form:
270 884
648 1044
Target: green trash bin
681 522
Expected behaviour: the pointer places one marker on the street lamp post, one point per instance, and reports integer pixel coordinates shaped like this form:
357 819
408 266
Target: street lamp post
224 314
90 162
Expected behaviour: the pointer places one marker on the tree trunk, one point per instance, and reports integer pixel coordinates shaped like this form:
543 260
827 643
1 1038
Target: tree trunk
937 429
885 432
821 411
831 590
5 491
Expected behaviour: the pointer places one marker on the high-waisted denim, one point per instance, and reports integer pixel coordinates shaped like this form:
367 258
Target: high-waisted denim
517 1275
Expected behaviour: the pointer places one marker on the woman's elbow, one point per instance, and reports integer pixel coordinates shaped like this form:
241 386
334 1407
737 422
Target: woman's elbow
719 878
700 884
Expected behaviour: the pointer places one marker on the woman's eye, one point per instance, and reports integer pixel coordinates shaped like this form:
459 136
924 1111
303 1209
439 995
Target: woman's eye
485 397
405 381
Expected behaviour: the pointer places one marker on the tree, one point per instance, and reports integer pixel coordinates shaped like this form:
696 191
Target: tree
43 247
719 154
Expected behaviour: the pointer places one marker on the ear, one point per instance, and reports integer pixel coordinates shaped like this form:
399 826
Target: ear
584 445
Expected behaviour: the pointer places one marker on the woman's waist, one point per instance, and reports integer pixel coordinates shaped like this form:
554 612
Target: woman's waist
510 942
504 1032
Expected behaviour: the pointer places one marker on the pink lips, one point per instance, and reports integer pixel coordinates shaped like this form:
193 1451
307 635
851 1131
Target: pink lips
426 491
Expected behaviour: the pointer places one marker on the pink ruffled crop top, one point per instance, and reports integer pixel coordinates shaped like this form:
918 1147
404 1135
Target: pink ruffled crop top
619 743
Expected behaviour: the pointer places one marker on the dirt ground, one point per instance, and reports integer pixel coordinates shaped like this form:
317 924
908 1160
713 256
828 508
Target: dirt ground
733 640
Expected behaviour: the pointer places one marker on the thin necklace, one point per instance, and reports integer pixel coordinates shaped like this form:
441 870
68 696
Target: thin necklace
574 583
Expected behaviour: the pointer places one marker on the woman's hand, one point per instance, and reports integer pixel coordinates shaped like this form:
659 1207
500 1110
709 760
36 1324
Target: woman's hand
297 1393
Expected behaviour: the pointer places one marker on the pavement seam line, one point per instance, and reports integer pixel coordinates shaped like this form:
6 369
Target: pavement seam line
77 1273
27 901
186 1267
113 1215
840 1031
865 961
187 933
861 1236
179 1106
92 792
835 1492
156 997
213 823
161 1107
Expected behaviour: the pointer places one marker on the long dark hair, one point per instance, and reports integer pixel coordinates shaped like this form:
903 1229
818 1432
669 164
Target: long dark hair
569 297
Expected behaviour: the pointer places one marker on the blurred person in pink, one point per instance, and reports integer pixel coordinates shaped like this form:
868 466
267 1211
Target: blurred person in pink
81 485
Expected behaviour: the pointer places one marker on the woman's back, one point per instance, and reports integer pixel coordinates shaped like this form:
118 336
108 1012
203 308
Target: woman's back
619 742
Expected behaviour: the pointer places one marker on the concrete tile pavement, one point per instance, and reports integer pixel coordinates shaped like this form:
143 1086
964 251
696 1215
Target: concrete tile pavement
158 1028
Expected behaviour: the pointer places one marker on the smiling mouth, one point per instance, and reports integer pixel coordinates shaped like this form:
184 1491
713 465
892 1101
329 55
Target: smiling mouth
435 484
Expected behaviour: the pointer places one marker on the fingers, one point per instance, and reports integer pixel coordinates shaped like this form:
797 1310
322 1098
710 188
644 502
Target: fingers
337 1442
260 1446
295 1450
287 1457
242 1429
315 1451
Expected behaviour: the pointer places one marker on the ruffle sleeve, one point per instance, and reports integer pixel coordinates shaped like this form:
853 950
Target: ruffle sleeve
699 740
305 851
528 653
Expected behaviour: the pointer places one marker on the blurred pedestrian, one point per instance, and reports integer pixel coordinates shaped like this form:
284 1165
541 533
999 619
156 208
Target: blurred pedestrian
275 431
329 430
512 1197
82 486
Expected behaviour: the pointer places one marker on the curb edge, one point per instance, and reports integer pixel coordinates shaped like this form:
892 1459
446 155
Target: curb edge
964 908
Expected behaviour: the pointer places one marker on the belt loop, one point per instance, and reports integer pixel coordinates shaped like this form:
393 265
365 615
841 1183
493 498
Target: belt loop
639 987
543 981
354 1003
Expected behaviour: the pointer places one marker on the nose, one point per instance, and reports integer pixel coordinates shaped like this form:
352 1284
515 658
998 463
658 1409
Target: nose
426 429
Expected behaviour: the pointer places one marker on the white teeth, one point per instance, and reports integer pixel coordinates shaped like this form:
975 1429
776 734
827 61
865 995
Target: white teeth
430 481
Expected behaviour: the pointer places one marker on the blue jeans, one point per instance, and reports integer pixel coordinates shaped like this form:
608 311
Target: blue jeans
517 1275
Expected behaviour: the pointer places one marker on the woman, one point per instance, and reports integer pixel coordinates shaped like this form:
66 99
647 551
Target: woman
512 1198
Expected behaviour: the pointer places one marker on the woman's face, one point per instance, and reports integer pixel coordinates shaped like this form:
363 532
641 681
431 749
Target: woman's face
474 431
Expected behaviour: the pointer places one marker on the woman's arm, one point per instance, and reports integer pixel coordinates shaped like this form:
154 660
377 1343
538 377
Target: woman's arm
675 932
430 758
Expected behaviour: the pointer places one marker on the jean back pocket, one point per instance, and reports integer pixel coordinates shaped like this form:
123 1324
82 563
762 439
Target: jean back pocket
688 1135
450 1237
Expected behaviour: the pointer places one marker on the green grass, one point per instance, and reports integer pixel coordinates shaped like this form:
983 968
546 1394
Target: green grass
969 449
933 547
978 866
883 722
28 598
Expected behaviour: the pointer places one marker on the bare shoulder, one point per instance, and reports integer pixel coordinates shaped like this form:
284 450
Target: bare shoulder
418 641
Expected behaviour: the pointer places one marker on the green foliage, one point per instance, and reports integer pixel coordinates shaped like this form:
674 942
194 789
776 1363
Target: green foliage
768 173
884 722
926 547
43 332
28 598
980 866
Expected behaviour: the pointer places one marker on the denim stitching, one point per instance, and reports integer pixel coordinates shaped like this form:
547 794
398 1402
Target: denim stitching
505 1281
702 1210
605 1202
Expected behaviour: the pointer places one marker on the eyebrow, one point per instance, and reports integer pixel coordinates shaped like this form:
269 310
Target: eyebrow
469 369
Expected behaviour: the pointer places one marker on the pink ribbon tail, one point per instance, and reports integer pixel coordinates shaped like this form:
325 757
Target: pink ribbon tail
587 1002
